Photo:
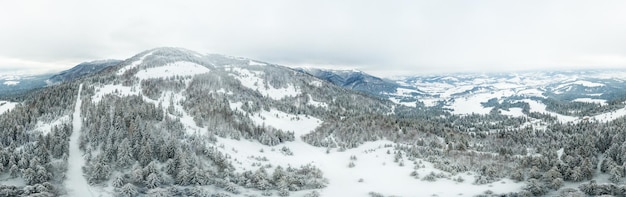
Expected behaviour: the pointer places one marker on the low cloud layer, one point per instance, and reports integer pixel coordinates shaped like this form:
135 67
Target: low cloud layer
385 37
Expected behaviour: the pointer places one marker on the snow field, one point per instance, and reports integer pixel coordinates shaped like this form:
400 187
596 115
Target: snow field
581 82
172 69
541 108
515 112
6 106
590 100
397 101
118 90
255 63
11 83
134 64
317 104
373 165
46 127
253 80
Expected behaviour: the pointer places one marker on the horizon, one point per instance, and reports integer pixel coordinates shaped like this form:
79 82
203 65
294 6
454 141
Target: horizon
381 37
377 73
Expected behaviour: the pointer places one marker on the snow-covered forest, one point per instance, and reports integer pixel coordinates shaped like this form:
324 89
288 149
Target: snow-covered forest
173 122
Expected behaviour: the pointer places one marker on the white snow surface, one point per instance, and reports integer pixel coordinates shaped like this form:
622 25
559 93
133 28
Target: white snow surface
255 63
11 83
316 103
6 106
76 183
253 80
118 90
610 116
541 108
397 101
581 82
134 64
514 111
181 68
373 165
405 91
46 127
590 100
316 83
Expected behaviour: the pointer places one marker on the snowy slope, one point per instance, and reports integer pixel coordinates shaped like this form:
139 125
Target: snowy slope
465 93
240 79
388 178
6 106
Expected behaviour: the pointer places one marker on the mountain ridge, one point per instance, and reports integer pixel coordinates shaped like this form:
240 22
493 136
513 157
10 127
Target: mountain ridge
172 122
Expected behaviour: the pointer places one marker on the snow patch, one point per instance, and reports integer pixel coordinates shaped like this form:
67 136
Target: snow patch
46 127
405 91
317 104
255 63
173 69
610 116
316 84
541 108
515 112
581 82
388 178
397 101
6 106
590 100
134 64
253 80
118 90
11 83
299 124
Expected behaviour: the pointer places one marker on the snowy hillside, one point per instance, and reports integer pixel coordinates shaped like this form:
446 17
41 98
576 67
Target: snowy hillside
468 93
174 122
12 84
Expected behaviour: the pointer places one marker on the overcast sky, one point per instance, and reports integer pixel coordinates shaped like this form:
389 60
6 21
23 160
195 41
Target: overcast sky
381 37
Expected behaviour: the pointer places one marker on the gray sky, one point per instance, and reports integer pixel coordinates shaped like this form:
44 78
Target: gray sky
381 37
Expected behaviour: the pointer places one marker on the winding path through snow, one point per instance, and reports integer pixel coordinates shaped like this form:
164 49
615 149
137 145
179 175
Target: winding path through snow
76 183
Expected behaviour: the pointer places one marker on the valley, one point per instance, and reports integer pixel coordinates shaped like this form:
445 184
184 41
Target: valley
174 122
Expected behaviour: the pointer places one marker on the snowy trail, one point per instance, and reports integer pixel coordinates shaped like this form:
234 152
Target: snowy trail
76 183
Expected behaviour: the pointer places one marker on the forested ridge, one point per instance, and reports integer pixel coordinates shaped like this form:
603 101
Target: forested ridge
161 136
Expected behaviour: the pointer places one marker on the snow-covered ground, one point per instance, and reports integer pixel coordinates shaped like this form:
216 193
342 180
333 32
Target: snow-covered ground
46 127
254 80
173 69
134 64
515 112
11 83
541 108
76 184
6 106
388 178
590 100
118 90
581 82
609 116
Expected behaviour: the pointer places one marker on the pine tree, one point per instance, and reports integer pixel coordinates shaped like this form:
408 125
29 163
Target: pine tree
118 182
128 190
124 154
615 175
153 180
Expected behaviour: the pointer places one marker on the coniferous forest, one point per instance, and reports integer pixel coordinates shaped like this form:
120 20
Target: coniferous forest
149 128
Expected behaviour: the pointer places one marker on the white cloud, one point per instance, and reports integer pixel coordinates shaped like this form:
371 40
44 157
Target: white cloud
394 36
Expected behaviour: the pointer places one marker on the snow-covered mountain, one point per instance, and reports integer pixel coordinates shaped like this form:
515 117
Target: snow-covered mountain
174 122
568 95
366 83
82 69
18 84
